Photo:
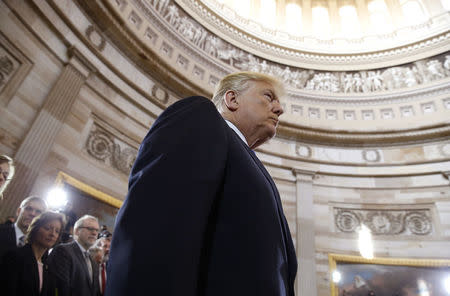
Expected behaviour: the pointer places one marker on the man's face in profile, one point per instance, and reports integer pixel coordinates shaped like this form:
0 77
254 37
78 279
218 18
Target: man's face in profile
259 109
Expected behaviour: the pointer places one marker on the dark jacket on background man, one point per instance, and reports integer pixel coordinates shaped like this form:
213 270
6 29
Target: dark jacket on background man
7 239
71 271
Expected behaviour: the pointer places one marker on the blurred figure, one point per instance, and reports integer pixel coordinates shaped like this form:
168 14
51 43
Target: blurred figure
96 254
10 220
6 172
71 218
24 270
13 235
103 242
76 272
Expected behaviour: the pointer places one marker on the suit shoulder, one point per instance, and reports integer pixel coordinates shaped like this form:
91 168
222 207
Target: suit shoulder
7 232
6 227
61 249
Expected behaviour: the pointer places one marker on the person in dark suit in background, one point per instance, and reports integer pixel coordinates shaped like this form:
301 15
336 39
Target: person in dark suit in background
23 271
13 235
76 272
214 223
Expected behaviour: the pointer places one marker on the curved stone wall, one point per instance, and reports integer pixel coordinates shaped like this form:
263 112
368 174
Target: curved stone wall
79 90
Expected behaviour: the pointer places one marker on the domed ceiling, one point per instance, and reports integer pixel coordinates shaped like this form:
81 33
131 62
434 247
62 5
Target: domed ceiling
363 86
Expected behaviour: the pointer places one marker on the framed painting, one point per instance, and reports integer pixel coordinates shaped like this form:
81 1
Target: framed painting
357 276
85 199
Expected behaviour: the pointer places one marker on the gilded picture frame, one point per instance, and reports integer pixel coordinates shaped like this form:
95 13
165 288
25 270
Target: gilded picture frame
62 178
388 276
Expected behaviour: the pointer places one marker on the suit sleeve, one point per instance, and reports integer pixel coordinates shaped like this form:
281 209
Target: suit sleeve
9 273
60 266
160 230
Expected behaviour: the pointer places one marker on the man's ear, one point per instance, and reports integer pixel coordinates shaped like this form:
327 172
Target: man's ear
231 100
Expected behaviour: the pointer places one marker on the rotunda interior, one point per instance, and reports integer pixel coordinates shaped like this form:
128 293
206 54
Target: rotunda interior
364 141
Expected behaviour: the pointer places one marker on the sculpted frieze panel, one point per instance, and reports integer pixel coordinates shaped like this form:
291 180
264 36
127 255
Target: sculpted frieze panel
376 80
106 148
384 222
14 68
95 37
7 67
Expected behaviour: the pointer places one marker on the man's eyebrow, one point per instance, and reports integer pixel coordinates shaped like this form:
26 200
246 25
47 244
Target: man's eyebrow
272 92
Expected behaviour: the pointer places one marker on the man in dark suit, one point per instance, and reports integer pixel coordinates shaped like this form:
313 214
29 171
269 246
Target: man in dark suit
202 215
13 235
76 273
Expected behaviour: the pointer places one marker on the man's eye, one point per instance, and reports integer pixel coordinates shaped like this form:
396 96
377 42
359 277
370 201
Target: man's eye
269 97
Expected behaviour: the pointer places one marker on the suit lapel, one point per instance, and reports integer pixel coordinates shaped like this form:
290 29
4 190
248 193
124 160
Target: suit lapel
289 253
79 255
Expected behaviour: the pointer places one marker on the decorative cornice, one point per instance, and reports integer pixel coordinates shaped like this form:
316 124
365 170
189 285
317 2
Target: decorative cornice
268 48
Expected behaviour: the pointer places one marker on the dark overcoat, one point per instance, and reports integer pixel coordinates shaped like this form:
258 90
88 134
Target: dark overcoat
202 215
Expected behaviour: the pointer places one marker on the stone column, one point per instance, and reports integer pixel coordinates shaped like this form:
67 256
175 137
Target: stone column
281 13
396 12
335 19
306 17
37 144
254 8
306 251
363 15
434 8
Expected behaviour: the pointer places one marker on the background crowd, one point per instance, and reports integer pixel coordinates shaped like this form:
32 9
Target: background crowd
45 252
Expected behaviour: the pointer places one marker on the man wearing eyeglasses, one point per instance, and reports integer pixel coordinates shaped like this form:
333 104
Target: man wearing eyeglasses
13 235
76 272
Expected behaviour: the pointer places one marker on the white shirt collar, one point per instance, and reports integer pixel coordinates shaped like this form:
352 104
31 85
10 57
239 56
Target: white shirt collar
238 132
19 233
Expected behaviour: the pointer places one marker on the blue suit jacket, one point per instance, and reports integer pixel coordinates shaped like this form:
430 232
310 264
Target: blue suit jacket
202 215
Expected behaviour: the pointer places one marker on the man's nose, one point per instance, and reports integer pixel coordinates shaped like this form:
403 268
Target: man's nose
277 109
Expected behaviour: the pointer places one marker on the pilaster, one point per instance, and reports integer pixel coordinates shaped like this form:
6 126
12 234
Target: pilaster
306 276
37 144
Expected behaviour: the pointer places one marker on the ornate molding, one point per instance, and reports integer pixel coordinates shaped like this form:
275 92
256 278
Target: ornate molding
384 222
14 68
173 21
297 51
105 147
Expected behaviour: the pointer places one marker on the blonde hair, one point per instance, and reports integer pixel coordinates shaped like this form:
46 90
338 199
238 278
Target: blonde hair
10 162
238 82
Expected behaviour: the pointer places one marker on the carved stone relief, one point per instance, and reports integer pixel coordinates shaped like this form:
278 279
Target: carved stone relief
95 37
103 146
446 103
371 155
303 151
445 149
14 68
384 222
6 68
160 94
385 79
